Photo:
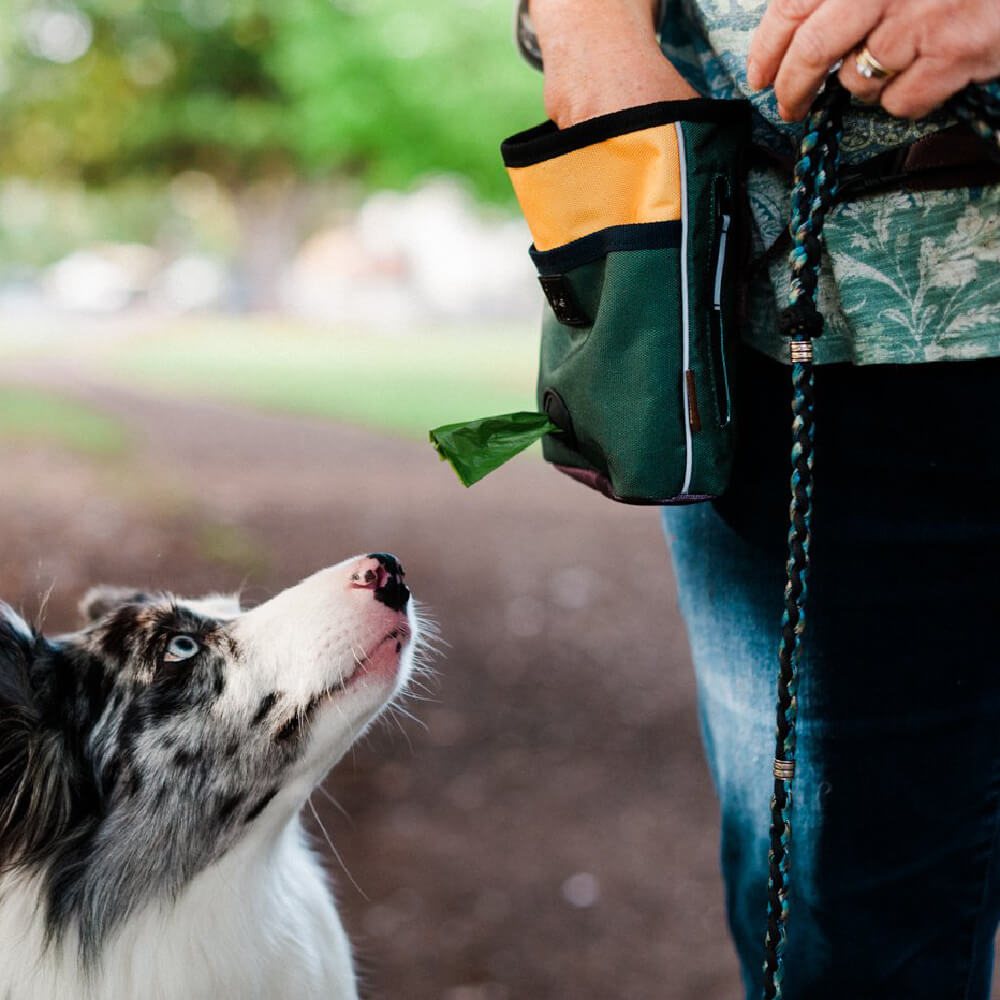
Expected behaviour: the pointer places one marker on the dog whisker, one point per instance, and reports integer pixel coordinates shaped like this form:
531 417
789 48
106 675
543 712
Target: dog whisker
335 852
43 606
397 709
333 801
392 717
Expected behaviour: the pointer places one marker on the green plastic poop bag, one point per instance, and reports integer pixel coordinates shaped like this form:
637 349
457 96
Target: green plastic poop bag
476 447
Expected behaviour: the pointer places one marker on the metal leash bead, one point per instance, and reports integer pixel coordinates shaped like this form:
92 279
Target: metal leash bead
784 769
801 351
815 185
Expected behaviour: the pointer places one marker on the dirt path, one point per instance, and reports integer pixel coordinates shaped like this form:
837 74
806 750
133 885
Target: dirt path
551 833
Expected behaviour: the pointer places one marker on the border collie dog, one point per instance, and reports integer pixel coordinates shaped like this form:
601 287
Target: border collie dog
152 770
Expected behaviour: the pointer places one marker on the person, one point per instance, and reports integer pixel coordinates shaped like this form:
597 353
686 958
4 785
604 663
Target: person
895 870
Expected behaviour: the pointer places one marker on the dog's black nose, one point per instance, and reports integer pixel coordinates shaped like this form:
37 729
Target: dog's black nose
388 562
392 591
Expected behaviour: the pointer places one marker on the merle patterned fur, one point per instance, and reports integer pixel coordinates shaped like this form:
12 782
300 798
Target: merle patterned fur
117 780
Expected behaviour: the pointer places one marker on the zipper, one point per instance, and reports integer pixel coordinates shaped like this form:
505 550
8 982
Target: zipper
723 222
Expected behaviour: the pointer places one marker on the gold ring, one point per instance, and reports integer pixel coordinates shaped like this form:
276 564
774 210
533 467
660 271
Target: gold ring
870 68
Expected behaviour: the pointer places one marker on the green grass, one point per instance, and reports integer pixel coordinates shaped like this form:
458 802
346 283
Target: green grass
231 547
405 383
29 415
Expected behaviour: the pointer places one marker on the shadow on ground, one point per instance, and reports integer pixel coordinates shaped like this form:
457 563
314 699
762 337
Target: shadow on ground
547 828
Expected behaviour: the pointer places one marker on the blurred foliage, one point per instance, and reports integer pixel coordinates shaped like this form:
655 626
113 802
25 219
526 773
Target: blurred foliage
39 224
379 90
31 415
422 381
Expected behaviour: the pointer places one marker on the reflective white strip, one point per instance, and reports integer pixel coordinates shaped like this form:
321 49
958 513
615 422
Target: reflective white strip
717 305
717 302
685 328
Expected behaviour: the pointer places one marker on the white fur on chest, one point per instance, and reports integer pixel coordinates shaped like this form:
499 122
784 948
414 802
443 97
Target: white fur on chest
258 925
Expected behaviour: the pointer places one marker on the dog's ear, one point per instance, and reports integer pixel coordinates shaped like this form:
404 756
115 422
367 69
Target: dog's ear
17 641
36 776
19 733
99 601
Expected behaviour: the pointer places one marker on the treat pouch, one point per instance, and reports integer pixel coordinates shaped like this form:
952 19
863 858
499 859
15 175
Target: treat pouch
638 239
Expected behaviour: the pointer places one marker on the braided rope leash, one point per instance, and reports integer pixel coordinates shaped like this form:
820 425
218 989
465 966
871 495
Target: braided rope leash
815 187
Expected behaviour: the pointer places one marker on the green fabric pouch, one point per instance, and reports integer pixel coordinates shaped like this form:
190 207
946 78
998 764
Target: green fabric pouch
639 235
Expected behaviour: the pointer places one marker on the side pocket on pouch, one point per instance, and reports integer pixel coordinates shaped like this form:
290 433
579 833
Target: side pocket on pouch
634 229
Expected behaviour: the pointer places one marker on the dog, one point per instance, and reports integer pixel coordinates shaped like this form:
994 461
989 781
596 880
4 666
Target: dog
153 766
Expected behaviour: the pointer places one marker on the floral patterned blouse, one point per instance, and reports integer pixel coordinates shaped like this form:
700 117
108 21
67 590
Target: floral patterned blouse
907 276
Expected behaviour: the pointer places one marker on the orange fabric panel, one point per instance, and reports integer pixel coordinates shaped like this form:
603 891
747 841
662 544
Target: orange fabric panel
621 181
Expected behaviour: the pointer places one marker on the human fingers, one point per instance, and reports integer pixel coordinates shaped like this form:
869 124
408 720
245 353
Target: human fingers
836 28
956 41
892 46
932 48
926 85
770 40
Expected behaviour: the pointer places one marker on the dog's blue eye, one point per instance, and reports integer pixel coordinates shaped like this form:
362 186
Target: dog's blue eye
181 647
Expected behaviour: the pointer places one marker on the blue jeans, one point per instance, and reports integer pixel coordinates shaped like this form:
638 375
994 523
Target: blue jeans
895 872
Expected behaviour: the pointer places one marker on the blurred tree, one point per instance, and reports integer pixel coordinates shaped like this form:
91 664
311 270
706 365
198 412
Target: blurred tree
385 90
261 94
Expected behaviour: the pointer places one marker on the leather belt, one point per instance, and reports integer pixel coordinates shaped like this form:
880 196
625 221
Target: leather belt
952 158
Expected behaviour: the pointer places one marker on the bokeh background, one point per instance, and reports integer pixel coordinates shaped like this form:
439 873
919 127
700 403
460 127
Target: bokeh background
250 252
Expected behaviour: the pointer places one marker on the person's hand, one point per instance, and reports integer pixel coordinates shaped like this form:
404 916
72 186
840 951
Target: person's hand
601 56
932 48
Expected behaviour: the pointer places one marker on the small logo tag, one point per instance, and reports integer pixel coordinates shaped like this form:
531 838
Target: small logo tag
562 299
694 417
